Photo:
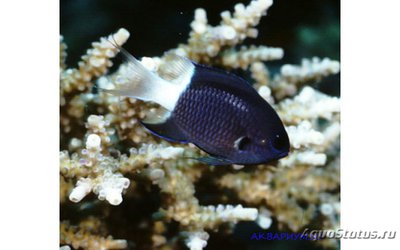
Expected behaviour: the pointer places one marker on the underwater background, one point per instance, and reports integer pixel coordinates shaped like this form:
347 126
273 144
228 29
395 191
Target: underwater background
303 29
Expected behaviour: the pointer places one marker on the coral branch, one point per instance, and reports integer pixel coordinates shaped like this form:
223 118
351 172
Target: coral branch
309 104
246 56
206 41
292 77
197 240
85 235
94 64
314 69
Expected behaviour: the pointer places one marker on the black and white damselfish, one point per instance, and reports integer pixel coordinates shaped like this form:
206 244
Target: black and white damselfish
219 112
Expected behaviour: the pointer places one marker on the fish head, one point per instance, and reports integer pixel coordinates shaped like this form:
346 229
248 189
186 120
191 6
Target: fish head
262 147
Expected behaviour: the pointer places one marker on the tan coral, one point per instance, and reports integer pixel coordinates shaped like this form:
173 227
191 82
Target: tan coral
293 195
260 73
206 41
76 82
94 64
86 236
248 55
292 77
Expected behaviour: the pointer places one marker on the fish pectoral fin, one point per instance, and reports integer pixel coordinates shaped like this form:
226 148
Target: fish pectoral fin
216 161
241 142
167 130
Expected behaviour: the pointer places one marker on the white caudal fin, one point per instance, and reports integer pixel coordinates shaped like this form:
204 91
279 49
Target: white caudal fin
140 83
178 68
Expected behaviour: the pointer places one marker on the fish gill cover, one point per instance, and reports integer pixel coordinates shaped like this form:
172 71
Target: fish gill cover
121 187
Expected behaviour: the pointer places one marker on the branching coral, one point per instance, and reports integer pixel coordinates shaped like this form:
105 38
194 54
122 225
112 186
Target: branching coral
292 77
215 44
245 56
88 235
94 64
105 150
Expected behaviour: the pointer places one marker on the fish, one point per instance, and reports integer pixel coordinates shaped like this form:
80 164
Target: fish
219 112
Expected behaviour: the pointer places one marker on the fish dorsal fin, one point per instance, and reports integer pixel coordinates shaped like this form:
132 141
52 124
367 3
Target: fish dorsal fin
222 79
167 130
138 82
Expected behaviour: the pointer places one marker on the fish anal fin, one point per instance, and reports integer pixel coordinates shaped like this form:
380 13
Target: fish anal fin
167 130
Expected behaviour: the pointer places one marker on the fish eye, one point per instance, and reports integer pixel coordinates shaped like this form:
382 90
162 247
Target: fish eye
279 142
242 143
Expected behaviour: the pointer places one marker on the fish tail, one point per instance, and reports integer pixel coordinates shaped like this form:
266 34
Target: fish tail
140 83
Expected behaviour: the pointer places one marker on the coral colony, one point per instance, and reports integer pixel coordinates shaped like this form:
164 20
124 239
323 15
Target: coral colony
301 190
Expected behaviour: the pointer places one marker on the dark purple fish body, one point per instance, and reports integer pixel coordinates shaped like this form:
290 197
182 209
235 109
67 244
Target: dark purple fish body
217 111
223 115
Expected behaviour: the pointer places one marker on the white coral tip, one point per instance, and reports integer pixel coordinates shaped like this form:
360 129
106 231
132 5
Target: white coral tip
121 36
228 33
93 141
200 15
265 3
171 152
114 196
96 121
83 187
312 158
327 209
246 213
264 222
196 243
149 63
264 92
